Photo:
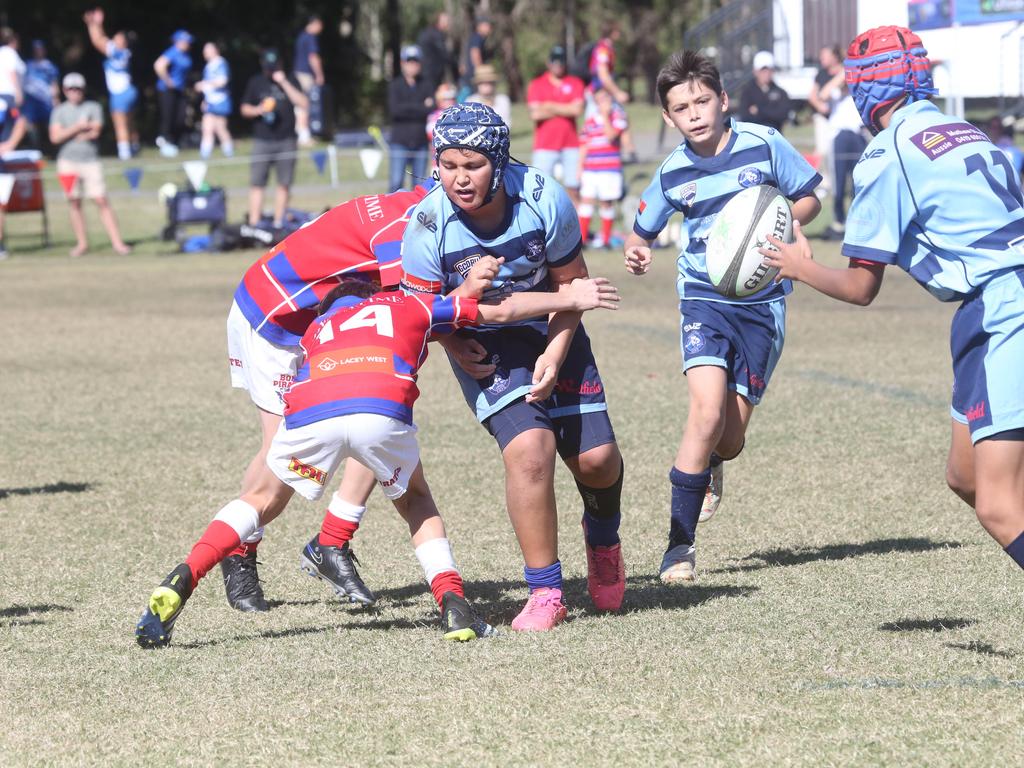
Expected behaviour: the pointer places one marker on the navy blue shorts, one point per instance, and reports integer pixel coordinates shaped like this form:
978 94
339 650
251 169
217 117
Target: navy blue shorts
576 411
744 339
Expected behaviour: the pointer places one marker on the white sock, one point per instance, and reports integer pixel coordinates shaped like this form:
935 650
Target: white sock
345 511
124 150
243 518
435 557
205 150
228 148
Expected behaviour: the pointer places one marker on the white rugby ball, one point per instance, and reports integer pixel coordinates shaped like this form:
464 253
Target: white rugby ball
735 267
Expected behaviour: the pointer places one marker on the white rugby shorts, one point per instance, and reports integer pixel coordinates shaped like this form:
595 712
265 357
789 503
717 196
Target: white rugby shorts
605 186
307 457
264 369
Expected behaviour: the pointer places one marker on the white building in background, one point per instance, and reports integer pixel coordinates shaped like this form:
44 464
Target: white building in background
977 45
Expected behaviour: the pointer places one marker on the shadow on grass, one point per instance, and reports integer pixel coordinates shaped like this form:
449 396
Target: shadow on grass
60 487
926 625
25 615
292 603
771 558
375 622
984 649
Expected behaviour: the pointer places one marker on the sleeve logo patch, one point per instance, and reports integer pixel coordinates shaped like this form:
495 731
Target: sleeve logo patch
419 285
936 141
643 205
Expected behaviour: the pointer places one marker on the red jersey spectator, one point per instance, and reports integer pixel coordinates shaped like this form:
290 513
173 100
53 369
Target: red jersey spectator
555 100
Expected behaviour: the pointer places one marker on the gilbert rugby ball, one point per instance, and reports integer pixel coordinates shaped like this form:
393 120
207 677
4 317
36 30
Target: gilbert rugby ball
735 267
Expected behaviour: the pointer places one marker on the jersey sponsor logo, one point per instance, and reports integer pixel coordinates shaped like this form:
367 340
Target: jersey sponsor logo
535 250
871 155
307 471
373 207
750 177
936 141
419 285
466 264
351 360
694 342
392 481
426 221
283 382
540 187
687 194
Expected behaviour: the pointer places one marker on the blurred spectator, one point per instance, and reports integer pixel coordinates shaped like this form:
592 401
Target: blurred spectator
42 93
12 68
117 70
555 100
270 99
601 158
309 72
445 96
821 99
12 130
478 51
1000 133
848 143
762 100
410 100
486 82
602 75
75 126
435 55
216 102
172 69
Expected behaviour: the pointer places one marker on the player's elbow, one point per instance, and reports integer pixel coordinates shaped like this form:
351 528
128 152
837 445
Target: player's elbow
863 295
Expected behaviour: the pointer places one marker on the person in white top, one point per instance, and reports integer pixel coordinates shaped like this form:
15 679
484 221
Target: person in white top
848 143
12 69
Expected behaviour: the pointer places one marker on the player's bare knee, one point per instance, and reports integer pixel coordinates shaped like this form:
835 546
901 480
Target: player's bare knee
599 467
959 482
706 422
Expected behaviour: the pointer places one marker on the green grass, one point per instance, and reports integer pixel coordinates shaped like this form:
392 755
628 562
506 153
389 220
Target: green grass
849 610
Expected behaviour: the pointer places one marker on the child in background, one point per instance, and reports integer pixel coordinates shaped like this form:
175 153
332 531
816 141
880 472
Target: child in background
601 158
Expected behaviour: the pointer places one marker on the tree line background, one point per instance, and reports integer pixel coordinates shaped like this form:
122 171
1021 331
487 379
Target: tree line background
361 38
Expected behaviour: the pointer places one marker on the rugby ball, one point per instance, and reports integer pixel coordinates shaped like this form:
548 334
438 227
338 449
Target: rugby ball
735 267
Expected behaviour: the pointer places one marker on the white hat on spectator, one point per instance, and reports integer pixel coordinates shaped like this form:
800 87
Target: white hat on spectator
763 60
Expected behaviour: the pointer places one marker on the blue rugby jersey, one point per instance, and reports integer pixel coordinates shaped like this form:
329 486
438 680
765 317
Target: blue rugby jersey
117 68
217 69
699 187
541 230
180 62
935 197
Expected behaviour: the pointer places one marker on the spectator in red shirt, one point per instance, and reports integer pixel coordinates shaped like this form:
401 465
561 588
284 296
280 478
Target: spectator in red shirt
555 100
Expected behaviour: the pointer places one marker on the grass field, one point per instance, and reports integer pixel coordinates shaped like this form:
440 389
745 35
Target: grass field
849 609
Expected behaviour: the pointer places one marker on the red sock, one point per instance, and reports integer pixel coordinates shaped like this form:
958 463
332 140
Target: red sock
584 226
606 230
335 532
217 542
446 581
244 548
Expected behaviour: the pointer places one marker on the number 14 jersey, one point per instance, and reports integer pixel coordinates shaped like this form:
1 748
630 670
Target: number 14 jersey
362 356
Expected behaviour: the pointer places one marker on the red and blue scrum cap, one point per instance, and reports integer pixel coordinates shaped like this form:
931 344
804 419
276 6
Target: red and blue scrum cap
883 66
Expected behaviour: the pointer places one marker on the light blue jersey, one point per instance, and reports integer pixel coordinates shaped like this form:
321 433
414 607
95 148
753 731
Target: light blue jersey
541 230
699 187
935 197
218 99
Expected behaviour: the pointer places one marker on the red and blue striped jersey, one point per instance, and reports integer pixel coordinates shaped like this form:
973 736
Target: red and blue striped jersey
279 294
362 356
603 153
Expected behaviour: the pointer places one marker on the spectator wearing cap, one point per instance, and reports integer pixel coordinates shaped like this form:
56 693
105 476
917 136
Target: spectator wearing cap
555 100
762 99
410 101
172 68
42 92
486 82
270 100
478 50
309 71
435 54
75 127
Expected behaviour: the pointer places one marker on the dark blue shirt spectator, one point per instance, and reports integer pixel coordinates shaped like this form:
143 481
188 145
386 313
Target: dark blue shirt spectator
179 62
306 44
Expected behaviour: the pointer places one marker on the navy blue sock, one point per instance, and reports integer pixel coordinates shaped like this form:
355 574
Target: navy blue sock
1016 550
601 512
601 531
550 577
687 497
